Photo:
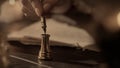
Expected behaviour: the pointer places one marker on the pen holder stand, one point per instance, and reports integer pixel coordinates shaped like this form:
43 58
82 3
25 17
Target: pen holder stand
45 52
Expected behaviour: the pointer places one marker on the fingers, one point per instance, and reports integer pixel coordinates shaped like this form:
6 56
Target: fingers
36 4
44 7
37 8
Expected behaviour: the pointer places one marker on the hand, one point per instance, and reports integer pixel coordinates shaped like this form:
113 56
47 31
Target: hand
34 9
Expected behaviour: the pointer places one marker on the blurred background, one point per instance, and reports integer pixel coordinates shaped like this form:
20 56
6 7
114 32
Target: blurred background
91 25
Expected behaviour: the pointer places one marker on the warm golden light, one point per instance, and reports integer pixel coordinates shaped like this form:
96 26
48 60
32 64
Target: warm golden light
118 19
12 2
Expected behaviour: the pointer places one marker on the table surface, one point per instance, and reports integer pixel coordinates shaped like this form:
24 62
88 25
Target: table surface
22 56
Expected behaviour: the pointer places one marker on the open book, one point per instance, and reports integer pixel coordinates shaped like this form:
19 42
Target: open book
61 34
